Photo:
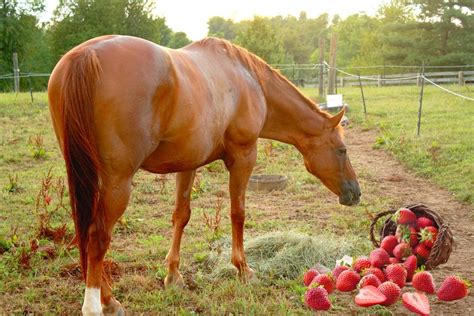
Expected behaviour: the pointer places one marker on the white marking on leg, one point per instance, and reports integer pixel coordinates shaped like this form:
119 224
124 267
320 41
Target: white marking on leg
92 305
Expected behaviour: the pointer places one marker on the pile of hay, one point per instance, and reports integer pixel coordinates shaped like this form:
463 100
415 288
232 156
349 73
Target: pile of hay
285 255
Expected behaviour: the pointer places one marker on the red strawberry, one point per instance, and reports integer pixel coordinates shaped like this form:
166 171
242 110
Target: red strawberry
453 288
405 216
325 280
428 236
402 251
423 281
309 276
317 298
377 272
422 251
361 263
369 296
388 243
423 222
393 260
392 291
369 279
379 257
338 270
413 237
410 264
347 281
396 273
416 302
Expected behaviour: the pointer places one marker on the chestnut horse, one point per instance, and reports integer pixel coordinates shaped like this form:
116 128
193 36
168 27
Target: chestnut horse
120 103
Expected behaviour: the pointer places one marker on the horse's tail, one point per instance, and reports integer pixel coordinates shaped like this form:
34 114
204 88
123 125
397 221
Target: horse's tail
80 150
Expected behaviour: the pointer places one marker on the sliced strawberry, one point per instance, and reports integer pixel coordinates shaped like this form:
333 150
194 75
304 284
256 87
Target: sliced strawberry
416 302
369 296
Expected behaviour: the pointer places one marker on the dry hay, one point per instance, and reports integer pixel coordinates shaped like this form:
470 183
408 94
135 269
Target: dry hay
285 255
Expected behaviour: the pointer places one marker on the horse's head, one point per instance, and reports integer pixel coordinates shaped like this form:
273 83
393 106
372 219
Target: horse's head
325 156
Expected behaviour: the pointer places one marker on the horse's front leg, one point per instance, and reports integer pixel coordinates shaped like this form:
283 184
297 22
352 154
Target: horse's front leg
240 162
181 214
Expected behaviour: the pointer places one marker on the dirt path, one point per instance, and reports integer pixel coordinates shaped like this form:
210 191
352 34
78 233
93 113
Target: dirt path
396 182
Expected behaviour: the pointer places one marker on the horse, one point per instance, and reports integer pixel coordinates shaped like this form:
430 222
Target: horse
120 103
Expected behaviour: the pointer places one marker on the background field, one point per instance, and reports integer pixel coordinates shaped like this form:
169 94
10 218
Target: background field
50 279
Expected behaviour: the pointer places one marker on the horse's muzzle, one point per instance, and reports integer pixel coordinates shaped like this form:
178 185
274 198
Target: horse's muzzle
350 193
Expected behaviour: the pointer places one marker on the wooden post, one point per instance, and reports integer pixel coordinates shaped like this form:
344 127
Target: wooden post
321 67
363 97
341 82
30 86
16 73
332 65
379 81
461 78
421 98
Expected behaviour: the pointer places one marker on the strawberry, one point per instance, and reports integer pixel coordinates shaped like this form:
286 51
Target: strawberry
402 251
338 270
316 298
393 260
347 281
388 243
453 288
423 222
369 296
428 236
377 272
413 237
325 280
410 264
397 274
309 276
369 279
416 302
361 263
391 290
422 251
423 281
405 216
379 257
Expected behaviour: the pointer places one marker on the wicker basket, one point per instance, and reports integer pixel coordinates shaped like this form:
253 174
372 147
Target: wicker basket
444 242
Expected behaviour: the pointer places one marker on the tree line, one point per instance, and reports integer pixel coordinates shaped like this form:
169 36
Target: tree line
402 32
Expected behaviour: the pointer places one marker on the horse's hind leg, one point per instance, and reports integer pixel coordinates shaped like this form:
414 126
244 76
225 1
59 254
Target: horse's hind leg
181 214
98 298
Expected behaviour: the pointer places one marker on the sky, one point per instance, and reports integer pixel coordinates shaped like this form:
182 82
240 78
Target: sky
191 16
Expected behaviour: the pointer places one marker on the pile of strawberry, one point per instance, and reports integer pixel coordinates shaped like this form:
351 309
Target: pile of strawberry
381 277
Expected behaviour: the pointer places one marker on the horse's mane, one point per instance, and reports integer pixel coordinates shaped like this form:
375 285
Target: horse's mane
255 65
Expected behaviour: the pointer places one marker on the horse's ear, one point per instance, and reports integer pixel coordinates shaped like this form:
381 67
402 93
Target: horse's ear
336 119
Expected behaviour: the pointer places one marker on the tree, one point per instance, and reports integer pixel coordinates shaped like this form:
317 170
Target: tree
220 27
76 21
262 40
21 33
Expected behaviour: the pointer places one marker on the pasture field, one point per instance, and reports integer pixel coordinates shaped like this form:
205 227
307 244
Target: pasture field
48 280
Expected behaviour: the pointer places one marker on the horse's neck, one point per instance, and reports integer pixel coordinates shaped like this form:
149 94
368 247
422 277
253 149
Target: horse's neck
290 115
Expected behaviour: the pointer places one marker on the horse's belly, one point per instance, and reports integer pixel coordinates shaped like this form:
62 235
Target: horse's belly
168 157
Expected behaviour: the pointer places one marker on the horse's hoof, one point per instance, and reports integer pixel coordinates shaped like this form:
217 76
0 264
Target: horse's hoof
174 280
114 308
247 275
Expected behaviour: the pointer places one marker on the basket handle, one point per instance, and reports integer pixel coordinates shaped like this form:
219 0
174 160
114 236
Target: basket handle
374 222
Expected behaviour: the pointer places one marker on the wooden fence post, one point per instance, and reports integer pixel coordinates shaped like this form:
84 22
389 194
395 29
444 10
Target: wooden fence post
421 98
16 73
321 67
461 78
332 65
379 81
341 82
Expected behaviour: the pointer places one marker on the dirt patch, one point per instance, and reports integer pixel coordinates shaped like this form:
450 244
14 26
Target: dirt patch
404 187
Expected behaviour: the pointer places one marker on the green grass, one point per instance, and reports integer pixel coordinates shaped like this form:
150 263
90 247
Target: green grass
142 237
444 151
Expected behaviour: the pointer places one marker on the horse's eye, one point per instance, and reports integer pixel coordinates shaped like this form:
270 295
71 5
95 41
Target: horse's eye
342 151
